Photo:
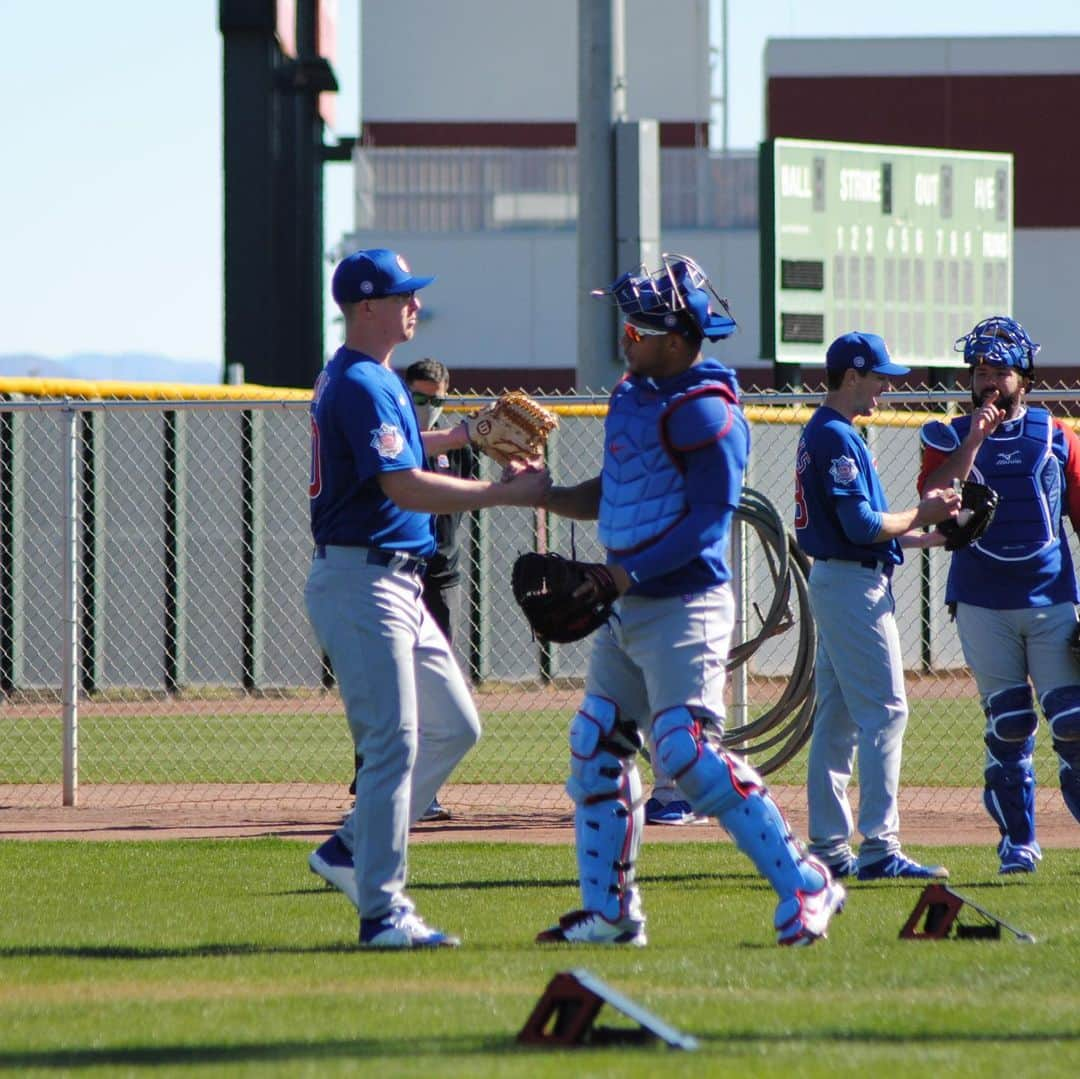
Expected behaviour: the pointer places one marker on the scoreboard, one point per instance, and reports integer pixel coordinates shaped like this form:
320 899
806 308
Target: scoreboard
909 243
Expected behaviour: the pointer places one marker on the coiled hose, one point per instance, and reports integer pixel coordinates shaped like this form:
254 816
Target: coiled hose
777 734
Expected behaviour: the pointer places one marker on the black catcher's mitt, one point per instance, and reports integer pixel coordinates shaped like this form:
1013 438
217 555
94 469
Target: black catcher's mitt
545 586
977 507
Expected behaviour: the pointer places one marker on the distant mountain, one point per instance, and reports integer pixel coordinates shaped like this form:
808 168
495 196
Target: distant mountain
122 367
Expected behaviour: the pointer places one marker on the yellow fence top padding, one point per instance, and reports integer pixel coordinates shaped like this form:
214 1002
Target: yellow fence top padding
88 389
105 390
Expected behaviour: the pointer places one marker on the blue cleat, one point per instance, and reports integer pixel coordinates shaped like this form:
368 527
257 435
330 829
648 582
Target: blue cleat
334 863
845 867
435 812
899 866
674 812
1018 858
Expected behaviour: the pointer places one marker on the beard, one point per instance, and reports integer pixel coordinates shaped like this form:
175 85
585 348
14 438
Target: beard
1006 404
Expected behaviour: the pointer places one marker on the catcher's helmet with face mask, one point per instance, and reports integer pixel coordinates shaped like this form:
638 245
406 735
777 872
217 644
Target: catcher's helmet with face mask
677 297
999 340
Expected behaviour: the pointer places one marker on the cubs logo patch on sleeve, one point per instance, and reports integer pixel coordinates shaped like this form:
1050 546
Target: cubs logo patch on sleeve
387 441
844 470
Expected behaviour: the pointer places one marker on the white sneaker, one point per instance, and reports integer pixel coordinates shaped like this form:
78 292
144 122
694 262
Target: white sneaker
401 928
591 927
334 863
805 918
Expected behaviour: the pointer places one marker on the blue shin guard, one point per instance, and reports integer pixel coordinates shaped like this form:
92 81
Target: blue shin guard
1009 793
1062 710
722 785
609 817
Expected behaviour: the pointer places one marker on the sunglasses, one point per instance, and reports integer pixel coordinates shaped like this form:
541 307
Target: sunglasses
422 399
638 333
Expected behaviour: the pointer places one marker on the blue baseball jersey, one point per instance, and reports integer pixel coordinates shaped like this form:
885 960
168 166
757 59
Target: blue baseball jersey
834 463
363 424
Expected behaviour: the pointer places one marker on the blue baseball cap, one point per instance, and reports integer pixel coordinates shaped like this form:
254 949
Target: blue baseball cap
373 274
864 352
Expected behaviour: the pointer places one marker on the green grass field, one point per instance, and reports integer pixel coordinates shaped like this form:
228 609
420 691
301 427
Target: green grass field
229 957
942 747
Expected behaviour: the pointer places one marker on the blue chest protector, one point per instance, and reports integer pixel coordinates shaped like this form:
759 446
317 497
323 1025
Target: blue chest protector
644 493
1021 560
1020 465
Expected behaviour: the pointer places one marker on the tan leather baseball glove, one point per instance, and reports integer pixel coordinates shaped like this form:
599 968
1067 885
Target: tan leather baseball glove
512 427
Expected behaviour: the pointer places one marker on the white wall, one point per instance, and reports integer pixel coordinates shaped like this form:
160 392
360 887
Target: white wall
1045 265
508 299
516 60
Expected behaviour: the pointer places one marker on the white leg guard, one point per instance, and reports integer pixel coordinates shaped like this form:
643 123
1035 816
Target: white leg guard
724 786
609 818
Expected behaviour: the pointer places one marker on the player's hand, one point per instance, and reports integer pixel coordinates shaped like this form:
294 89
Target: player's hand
938 505
517 465
528 487
986 418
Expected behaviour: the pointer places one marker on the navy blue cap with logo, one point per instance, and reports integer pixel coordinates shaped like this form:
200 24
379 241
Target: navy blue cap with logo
373 274
862 352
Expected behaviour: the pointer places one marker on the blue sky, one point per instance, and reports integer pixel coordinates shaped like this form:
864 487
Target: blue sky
111 186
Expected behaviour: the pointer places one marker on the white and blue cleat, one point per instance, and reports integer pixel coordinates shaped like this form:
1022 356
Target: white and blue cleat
1017 857
898 866
402 929
333 862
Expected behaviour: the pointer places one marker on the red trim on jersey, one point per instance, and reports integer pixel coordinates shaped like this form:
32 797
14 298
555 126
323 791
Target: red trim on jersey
1072 473
931 458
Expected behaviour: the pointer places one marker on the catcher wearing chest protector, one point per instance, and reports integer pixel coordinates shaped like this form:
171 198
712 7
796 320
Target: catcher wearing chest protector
1013 587
675 451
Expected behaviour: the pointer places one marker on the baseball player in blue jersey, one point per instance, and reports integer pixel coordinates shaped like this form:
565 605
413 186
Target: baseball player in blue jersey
1014 590
675 450
843 522
373 502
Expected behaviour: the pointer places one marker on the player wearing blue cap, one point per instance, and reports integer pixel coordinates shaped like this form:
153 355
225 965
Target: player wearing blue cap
675 450
373 500
1014 590
843 522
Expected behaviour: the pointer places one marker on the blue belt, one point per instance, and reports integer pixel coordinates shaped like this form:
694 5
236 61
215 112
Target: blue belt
398 561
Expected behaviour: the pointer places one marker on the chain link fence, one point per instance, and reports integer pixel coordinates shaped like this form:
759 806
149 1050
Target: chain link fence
154 649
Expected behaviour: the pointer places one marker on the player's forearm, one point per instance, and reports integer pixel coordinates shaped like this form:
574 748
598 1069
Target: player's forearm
936 506
427 492
581 502
919 539
894 525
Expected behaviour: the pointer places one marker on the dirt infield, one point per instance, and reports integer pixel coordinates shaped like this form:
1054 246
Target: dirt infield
931 816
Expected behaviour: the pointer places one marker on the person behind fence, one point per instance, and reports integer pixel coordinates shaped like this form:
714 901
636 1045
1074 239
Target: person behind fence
373 505
1013 591
675 451
843 522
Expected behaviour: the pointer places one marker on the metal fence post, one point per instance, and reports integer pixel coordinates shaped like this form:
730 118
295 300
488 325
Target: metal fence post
71 617
740 695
